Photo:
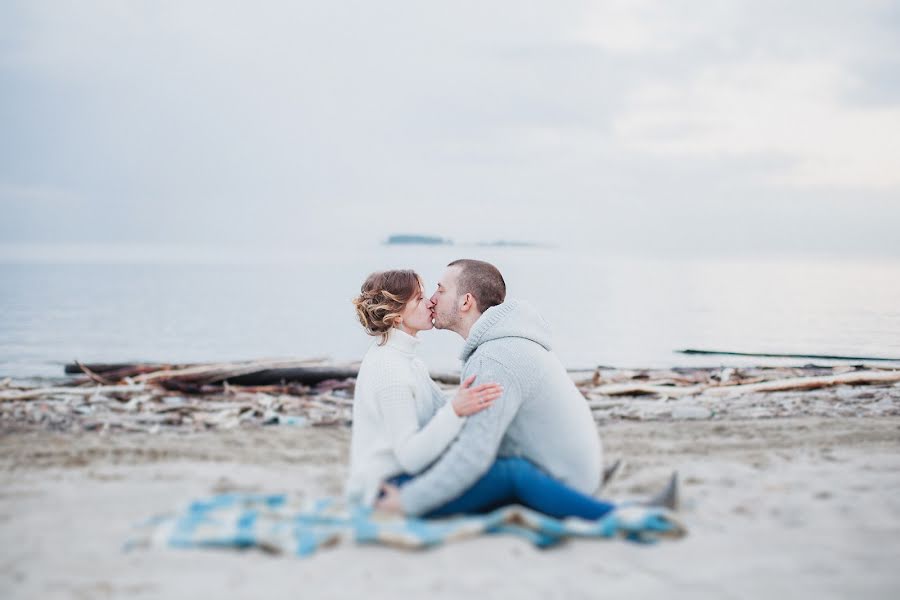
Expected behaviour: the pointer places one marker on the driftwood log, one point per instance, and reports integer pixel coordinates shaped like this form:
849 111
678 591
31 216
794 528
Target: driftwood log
807 383
200 397
206 378
69 391
766 355
640 389
255 373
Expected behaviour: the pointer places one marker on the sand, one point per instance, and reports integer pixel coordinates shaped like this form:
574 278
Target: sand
788 507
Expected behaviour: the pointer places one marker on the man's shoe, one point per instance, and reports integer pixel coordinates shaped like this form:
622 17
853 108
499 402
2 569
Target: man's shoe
667 497
611 471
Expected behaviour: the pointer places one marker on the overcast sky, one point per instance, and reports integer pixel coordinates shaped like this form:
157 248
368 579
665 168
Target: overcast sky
634 126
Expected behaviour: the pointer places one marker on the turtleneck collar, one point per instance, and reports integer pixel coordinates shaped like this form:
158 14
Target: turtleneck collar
402 341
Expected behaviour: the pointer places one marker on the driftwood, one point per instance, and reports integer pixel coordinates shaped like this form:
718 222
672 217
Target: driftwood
119 373
256 373
765 355
200 397
219 372
93 376
251 375
70 391
808 383
264 372
77 368
638 389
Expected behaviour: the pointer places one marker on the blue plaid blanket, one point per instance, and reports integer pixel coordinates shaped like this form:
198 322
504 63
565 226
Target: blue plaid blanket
275 523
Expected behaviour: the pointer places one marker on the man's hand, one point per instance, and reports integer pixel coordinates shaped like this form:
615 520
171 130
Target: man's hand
390 500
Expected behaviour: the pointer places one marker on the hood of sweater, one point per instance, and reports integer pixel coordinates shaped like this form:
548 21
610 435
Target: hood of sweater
512 319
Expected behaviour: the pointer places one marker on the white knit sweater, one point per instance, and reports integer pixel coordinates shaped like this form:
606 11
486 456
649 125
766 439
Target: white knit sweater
402 421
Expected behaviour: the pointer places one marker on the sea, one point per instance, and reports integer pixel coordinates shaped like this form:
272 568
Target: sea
188 303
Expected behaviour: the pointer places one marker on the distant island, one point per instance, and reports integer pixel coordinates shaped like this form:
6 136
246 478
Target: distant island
406 239
428 240
513 243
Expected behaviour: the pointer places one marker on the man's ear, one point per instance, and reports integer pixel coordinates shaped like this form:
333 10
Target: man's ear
468 303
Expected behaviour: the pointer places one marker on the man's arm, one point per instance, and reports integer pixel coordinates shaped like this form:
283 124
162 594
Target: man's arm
474 450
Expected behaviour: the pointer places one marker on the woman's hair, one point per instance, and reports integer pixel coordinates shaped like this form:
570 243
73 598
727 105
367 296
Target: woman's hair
382 298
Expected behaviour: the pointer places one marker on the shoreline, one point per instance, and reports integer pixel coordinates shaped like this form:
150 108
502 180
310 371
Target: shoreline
196 398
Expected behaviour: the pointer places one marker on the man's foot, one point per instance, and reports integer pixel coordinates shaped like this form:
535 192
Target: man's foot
667 497
611 471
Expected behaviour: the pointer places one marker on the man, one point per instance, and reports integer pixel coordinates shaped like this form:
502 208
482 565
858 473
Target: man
541 416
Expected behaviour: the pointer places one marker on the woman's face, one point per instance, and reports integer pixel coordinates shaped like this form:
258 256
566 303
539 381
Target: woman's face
416 315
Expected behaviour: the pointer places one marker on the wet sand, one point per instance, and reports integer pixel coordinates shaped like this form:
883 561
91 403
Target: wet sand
787 507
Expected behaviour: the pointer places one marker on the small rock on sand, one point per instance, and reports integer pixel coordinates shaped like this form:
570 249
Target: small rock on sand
681 413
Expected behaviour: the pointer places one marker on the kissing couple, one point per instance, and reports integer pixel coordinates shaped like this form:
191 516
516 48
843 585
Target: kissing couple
517 431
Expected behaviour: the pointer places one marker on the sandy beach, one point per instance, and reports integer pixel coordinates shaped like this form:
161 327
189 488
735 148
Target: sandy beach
778 507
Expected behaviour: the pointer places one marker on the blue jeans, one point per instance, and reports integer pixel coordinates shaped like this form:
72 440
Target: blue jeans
518 481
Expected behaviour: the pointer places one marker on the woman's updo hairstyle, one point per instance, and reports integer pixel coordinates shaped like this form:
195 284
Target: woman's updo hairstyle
382 298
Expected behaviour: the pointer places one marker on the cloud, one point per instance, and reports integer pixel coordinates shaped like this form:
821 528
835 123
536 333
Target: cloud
602 123
787 110
640 27
41 194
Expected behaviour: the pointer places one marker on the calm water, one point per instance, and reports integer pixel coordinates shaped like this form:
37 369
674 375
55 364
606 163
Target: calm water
190 304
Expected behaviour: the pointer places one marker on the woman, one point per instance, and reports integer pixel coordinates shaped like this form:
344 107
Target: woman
402 421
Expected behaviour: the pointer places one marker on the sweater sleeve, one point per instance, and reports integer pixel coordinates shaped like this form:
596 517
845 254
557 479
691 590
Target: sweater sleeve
439 397
473 452
415 448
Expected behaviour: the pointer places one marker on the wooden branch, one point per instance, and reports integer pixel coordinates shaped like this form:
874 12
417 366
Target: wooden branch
197 373
74 368
92 375
636 389
122 373
807 383
119 371
820 356
69 391
253 373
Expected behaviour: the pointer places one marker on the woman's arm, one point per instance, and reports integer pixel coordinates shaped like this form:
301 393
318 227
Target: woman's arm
439 397
417 448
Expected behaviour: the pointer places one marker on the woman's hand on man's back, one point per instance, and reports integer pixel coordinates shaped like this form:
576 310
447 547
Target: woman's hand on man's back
470 400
